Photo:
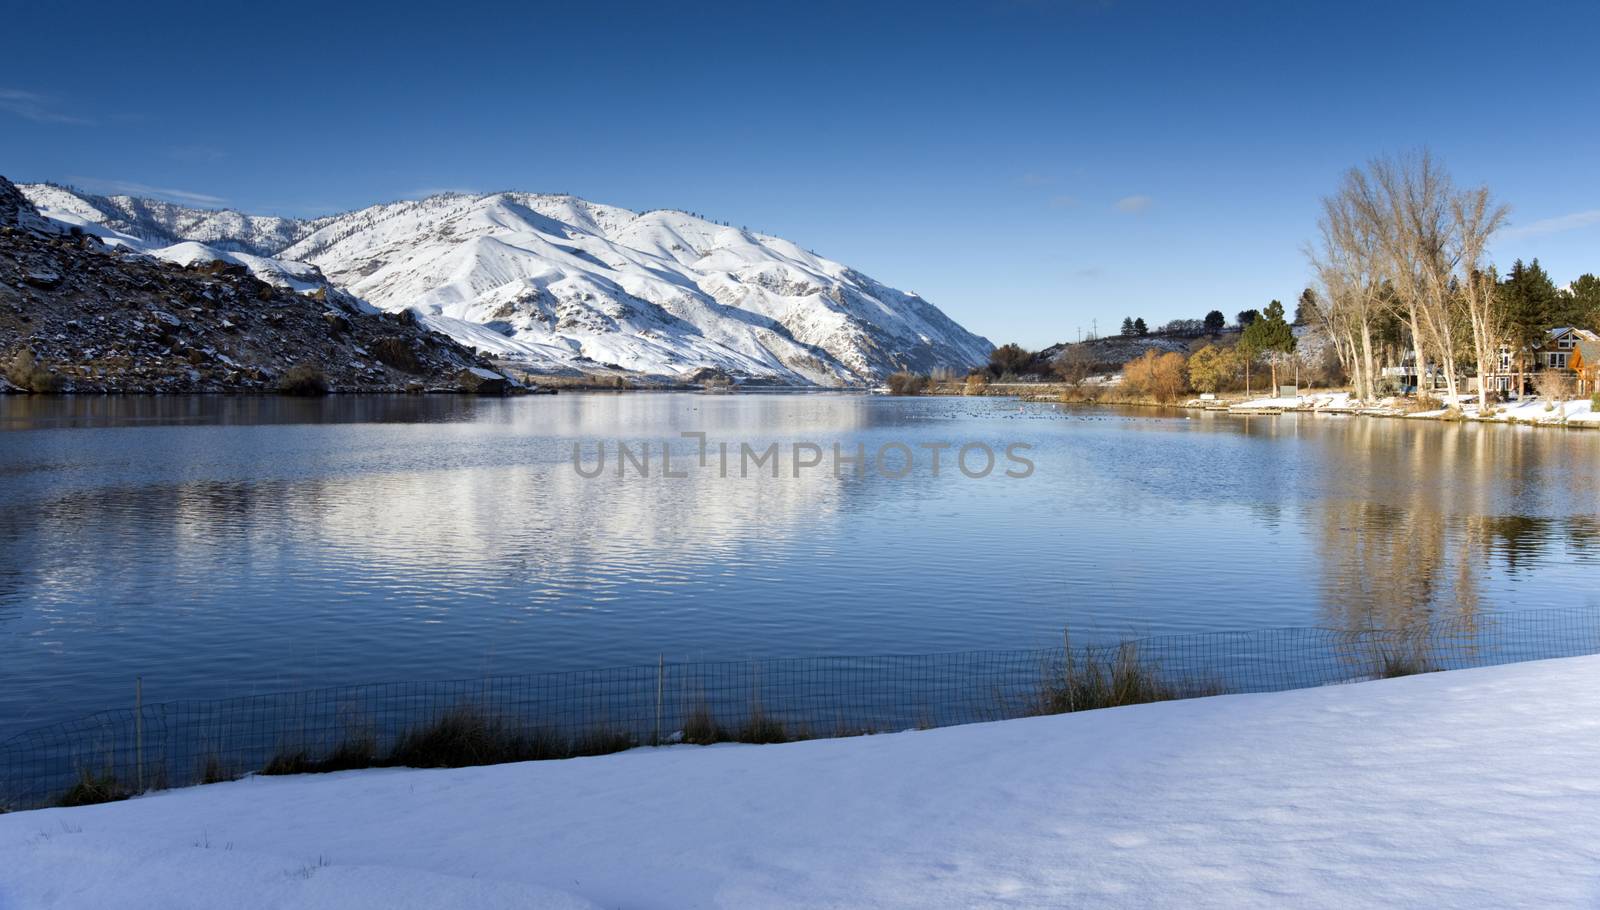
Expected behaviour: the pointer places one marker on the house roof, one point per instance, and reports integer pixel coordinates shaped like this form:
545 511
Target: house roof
1581 333
1590 349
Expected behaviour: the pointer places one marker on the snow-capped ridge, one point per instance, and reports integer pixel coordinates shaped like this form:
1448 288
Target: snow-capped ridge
557 281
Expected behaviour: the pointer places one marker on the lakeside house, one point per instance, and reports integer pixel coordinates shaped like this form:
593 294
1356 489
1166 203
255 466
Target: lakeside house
1404 375
1568 349
1585 363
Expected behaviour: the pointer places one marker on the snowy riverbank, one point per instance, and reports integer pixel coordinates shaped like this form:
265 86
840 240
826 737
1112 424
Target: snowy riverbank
1574 412
1466 789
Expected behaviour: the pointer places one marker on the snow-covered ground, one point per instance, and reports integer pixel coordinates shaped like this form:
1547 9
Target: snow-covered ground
296 276
1474 788
1578 411
1311 401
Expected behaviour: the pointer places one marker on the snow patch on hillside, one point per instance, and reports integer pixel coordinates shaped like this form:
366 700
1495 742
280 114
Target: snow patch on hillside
65 208
297 276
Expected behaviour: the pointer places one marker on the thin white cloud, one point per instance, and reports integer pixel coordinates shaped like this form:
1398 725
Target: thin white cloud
1034 179
36 107
1063 202
129 188
1134 204
1557 225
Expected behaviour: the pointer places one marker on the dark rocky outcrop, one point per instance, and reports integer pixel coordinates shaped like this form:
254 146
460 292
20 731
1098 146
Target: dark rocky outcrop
481 381
15 209
91 318
713 375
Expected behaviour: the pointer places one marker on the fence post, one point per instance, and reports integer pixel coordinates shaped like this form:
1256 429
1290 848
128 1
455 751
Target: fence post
661 679
1066 668
138 730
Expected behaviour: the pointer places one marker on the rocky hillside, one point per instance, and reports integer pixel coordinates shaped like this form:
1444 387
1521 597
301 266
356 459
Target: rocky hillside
16 210
1108 354
77 314
555 283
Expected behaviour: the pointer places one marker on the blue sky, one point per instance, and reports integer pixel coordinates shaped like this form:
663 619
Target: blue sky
1030 166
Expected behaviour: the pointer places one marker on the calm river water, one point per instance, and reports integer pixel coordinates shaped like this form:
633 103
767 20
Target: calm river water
222 546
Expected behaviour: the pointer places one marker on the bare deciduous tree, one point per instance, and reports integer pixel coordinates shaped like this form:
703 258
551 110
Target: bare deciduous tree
1350 266
1555 387
1398 237
1413 199
1073 365
1476 219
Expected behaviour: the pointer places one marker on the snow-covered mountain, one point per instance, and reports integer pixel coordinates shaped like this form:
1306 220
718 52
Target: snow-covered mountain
153 227
559 282
157 223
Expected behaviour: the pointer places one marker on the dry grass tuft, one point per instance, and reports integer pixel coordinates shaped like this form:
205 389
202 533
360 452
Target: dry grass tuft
357 751
304 379
92 788
701 729
1403 657
215 771
465 736
761 728
1421 403
1111 677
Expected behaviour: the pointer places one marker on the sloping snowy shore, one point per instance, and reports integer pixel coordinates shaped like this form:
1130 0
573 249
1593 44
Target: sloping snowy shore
1570 412
1465 789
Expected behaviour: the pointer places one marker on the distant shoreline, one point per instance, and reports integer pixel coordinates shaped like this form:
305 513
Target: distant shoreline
1579 413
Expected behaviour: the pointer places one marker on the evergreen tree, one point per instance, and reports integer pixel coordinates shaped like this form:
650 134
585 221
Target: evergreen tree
1306 309
1270 335
1585 294
1127 325
1246 317
1215 322
1532 307
1139 328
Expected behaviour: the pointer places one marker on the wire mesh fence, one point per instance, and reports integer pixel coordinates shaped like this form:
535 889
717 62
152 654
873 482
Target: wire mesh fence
551 715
